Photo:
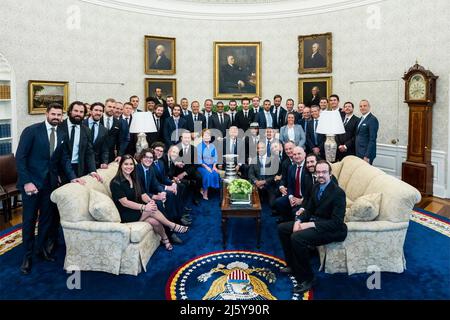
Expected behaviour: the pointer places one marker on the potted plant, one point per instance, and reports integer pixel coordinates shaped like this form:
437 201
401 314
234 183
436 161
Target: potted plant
240 191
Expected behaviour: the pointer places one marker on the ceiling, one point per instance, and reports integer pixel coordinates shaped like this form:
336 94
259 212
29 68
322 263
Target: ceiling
231 9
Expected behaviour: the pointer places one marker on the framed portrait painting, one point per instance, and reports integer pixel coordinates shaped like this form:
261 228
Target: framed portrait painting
160 55
310 90
315 53
43 93
237 69
168 87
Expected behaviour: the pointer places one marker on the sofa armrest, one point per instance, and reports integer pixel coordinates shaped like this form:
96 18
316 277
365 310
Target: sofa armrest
376 226
100 227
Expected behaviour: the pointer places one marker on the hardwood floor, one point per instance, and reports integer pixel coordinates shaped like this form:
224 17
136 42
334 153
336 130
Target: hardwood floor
432 204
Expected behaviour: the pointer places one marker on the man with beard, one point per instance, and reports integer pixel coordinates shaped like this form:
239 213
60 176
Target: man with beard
79 146
112 124
39 152
173 127
99 135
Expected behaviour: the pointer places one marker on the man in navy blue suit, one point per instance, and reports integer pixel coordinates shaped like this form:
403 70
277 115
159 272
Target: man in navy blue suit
173 127
38 156
366 134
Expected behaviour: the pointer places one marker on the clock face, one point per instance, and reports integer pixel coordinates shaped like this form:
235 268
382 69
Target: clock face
417 87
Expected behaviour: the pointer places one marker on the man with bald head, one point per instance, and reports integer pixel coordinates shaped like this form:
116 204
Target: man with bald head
300 184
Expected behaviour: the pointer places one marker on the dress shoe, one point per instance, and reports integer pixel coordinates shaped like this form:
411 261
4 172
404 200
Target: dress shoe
43 254
286 270
175 239
25 268
305 286
186 222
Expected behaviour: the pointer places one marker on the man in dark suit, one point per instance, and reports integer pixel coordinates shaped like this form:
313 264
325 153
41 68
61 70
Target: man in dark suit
315 60
161 62
265 118
304 122
366 134
99 135
165 201
187 172
79 147
315 141
127 139
173 127
245 116
346 141
185 112
232 111
319 223
113 126
208 113
159 123
195 119
278 111
285 165
220 120
233 78
299 185
262 175
232 144
39 154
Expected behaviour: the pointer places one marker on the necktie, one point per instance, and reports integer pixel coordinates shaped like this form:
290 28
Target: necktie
94 129
268 119
186 151
345 121
232 117
262 166
232 147
220 119
297 182
108 123
157 165
245 115
362 120
128 121
176 129
276 116
147 178
207 120
306 125
52 141
315 133
319 194
195 118
72 137
268 149
157 123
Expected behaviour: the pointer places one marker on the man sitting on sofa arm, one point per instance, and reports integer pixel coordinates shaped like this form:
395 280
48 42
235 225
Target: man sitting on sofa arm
321 222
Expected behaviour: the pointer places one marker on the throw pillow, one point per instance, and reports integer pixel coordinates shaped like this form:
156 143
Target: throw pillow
365 208
102 208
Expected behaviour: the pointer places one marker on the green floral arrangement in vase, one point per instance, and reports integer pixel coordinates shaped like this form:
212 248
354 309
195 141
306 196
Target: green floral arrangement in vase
240 190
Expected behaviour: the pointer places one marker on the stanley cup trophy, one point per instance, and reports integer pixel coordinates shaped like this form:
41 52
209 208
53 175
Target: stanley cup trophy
230 167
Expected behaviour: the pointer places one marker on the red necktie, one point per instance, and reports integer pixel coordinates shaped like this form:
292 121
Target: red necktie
297 182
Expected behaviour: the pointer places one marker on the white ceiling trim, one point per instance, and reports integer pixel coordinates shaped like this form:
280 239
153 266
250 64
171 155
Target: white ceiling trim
209 11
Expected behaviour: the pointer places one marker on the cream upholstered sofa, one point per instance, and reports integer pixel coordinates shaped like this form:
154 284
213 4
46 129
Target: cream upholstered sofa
378 243
112 247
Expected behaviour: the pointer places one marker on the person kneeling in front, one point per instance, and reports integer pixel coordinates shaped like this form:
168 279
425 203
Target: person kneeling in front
319 223
129 199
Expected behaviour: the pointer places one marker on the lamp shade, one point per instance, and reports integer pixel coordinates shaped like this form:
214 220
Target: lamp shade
330 122
143 122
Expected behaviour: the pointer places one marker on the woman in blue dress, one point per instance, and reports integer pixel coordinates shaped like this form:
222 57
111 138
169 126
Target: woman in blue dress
207 157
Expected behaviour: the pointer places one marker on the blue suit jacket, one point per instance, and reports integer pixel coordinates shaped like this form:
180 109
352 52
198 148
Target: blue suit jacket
153 186
260 117
366 138
33 160
169 127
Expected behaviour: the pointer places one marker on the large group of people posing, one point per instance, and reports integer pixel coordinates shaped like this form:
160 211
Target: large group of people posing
276 147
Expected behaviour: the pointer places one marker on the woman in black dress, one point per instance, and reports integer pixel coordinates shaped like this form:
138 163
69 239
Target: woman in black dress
133 205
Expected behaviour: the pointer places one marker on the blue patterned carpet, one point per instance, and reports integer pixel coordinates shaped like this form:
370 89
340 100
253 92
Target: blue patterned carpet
427 275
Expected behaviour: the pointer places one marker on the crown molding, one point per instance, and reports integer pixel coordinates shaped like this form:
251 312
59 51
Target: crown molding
231 11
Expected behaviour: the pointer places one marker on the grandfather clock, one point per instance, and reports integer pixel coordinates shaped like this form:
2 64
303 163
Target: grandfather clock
420 95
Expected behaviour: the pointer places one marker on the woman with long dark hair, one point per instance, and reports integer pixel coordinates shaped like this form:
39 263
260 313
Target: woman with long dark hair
134 205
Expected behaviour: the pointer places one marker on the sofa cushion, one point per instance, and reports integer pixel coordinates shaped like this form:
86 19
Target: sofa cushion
360 179
138 230
72 200
365 208
102 208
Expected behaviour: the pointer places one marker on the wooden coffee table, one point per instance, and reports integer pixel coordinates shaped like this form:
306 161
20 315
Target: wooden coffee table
230 211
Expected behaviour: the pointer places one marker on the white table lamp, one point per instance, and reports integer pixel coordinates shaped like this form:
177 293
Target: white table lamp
142 123
330 124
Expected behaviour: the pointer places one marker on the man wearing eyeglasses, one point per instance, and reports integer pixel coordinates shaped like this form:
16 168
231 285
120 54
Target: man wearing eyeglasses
319 223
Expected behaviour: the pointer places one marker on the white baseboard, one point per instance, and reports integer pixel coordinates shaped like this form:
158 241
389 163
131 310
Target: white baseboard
390 158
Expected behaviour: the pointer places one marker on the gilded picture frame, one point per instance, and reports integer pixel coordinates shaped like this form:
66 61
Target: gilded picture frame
168 87
42 93
305 86
160 55
237 70
315 54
